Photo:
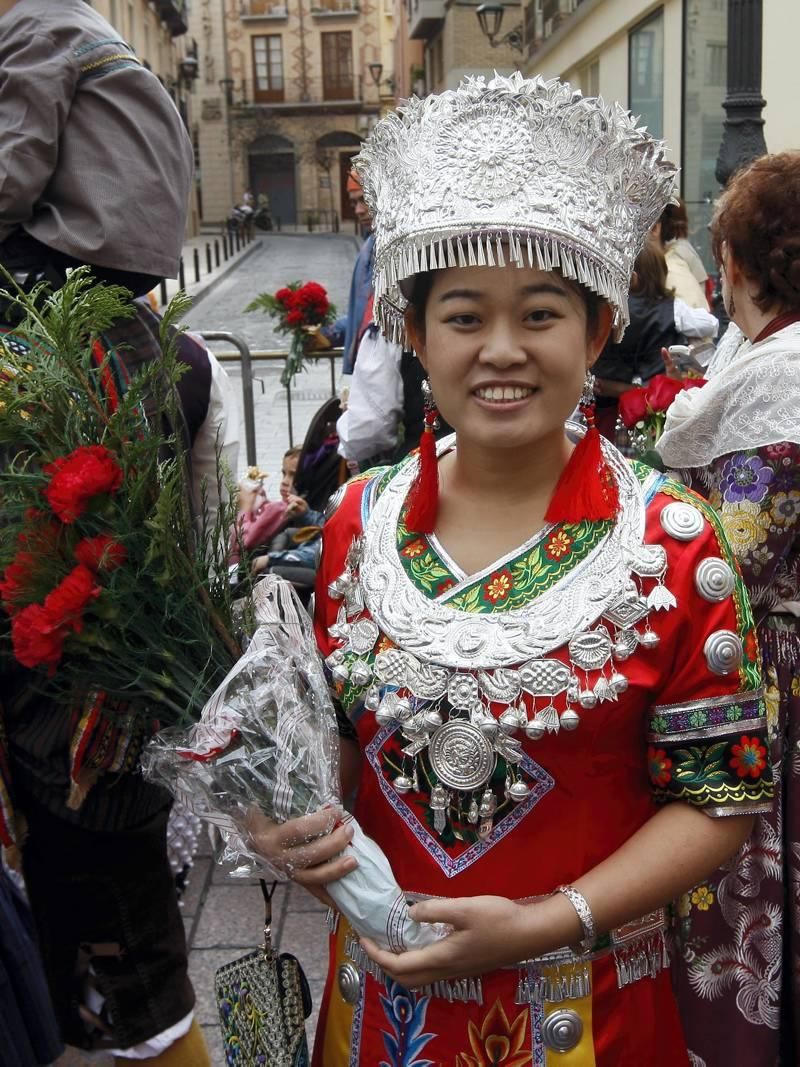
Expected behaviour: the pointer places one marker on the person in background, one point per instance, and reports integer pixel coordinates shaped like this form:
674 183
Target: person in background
349 329
28 1029
736 441
658 319
281 535
686 274
96 168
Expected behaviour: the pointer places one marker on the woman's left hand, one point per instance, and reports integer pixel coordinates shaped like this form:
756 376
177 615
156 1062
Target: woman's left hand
488 932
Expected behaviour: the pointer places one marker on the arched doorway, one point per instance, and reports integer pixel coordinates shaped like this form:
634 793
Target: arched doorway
345 145
272 171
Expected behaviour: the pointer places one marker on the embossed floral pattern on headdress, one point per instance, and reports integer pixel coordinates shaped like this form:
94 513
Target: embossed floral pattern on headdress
523 170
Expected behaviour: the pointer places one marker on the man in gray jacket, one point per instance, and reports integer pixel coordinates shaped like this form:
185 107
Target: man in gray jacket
95 163
95 168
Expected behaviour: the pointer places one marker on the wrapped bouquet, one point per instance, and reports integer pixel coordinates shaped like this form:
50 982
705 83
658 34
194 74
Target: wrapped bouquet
300 311
267 739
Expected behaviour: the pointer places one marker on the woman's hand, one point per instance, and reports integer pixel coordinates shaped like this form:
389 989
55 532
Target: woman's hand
308 849
488 932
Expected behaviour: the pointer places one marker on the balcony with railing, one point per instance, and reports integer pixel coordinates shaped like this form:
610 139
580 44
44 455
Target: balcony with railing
338 92
322 9
554 13
263 11
175 14
424 17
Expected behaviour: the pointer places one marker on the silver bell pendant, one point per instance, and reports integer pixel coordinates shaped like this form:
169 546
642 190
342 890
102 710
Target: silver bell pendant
509 721
360 674
621 651
618 682
402 783
340 673
649 639
534 729
587 699
432 719
518 792
373 699
570 719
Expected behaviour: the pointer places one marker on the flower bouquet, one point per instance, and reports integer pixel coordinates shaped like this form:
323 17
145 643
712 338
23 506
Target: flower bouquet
300 311
268 740
117 601
643 411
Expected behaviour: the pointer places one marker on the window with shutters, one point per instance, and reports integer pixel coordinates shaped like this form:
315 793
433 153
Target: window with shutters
268 68
337 66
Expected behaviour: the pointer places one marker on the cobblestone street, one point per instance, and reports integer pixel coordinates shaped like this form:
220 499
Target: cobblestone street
224 916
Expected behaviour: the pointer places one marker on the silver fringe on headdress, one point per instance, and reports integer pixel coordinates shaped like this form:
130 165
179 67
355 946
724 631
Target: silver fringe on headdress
525 170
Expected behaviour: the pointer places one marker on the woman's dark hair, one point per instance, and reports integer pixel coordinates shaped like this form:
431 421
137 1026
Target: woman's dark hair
651 274
423 283
674 222
758 221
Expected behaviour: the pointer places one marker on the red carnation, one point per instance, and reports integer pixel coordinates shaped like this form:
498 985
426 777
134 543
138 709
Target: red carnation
661 391
295 318
632 407
77 478
286 297
67 602
14 586
101 553
36 639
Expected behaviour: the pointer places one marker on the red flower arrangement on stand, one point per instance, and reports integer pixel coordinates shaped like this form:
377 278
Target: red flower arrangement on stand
300 310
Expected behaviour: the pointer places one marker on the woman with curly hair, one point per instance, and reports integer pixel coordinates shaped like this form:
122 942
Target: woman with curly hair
737 441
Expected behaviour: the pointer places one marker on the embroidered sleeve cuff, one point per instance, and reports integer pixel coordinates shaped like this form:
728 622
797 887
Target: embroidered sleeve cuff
712 753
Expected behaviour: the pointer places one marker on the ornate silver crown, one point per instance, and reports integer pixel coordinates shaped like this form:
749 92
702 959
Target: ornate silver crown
528 170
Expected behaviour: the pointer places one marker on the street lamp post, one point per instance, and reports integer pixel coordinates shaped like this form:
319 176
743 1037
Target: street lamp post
490 18
743 134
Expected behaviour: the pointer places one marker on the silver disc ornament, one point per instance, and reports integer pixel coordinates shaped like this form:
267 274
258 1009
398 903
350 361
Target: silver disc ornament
461 757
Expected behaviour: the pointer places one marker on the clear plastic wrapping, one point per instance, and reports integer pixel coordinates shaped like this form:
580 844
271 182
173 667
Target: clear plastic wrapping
267 739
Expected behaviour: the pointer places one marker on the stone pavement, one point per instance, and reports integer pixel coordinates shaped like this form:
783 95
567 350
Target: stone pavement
224 916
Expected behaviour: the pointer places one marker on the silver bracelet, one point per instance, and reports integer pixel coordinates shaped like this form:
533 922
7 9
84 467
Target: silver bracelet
581 906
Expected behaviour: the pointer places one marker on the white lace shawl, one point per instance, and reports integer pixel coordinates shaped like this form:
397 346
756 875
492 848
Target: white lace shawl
753 400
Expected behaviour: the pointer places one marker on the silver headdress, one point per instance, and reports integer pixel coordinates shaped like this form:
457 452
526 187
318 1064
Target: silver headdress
525 169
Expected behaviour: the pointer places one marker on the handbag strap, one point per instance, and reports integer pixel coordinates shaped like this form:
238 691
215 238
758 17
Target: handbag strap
267 892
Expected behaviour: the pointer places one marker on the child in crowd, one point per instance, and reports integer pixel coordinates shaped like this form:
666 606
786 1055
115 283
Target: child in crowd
284 534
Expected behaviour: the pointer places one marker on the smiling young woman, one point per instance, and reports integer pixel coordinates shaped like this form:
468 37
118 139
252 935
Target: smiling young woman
546 686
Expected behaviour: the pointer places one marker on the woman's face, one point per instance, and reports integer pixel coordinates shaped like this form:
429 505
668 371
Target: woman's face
506 351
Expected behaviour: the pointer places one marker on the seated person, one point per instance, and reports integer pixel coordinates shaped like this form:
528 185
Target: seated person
283 535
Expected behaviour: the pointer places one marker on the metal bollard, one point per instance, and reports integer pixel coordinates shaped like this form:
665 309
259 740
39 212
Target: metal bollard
209 268
197 264
216 252
163 292
225 246
238 241
181 275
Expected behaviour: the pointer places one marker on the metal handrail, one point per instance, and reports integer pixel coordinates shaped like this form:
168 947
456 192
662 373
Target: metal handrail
246 357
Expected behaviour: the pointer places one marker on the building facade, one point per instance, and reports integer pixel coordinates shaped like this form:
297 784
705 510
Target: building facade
286 93
667 62
453 43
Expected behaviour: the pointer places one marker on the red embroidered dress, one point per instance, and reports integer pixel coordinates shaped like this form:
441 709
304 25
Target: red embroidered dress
517 727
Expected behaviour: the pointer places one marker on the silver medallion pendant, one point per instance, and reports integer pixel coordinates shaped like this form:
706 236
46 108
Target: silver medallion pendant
461 757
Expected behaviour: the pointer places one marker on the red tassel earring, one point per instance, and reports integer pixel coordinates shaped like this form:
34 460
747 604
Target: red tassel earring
423 496
587 488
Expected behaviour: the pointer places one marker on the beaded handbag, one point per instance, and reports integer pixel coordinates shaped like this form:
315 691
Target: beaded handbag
263 1001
